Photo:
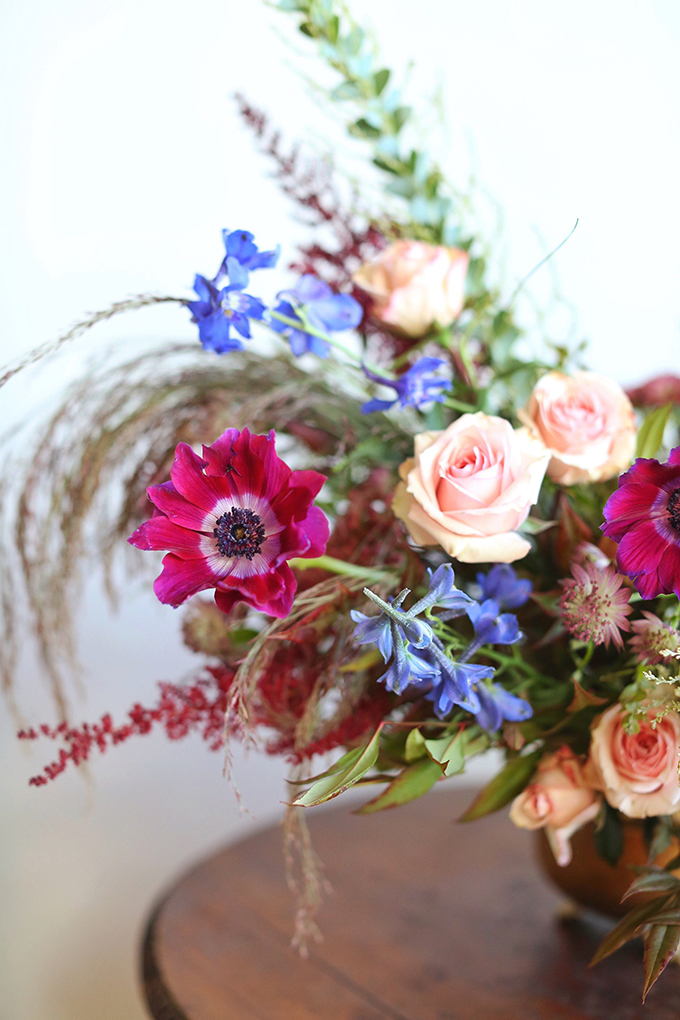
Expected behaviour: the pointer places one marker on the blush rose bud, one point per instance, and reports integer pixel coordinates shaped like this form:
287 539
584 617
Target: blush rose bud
559 800
415 286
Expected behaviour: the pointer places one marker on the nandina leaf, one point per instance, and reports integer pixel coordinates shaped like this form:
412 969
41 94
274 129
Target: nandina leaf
608 835
583 698
661 942
510 781
340 780
415 746
651 431
449 751
413 782
342 763
655 881
628 927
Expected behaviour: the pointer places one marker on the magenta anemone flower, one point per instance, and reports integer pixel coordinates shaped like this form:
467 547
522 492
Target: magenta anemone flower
643 516
594 605
231 519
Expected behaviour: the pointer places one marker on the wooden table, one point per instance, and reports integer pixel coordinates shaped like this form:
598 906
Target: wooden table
429 921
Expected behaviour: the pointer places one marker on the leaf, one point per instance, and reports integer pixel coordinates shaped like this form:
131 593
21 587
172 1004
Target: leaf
413 782
347 759
380 79
583 698
449 752
662 836
661 942
608 835
333 785
535 526
654 881
627 928
504 787
364 129
651 431
415 746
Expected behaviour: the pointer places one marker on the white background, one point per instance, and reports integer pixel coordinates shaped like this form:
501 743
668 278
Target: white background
122 159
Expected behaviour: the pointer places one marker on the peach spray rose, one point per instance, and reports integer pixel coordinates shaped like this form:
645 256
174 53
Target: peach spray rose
470 487
415 285
586 421
559 800
637 772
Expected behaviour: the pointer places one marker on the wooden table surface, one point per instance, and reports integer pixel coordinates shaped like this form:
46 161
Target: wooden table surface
429 920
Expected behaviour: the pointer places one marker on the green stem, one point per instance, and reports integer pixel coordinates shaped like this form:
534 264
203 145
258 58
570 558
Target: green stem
334 566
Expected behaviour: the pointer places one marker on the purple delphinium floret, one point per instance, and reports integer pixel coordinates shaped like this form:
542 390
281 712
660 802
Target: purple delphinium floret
243 256
416 387
504 586
218 310
643 516
491 626
325 310
497 705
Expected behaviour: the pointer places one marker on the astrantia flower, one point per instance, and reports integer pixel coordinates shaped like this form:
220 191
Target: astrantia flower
231 519
243 256
416 387
594 605
504 586
643 516
325 310
652 637
217 311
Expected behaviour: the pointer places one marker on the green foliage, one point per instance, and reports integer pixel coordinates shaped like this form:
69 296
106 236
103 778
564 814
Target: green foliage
651 432
661 942
346 771
608 835
504 787
414 781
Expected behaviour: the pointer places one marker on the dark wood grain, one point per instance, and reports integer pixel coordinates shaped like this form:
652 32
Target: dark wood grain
429 920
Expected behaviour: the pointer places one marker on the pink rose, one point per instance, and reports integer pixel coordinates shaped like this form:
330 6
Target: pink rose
586 421
637 772
559 800
470 487
415 285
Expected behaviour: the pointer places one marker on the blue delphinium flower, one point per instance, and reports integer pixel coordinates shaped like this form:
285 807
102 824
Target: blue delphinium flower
244 255
502 584
325 310
497 704
491 626
416 387
453 685
396 634
217 310
443 592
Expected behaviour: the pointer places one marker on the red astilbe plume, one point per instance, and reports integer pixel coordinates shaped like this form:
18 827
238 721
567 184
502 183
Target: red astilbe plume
197 707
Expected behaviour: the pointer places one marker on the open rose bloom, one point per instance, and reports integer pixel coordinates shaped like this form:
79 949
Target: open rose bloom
586 421
470 487
637 772
415 285
559 799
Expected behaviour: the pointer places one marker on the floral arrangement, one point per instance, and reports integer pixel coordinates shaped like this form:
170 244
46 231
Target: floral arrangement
422 542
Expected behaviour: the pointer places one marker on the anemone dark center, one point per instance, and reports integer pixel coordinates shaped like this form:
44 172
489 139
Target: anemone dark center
674 509
239 533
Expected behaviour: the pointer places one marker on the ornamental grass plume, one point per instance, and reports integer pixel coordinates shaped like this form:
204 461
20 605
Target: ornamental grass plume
594 605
